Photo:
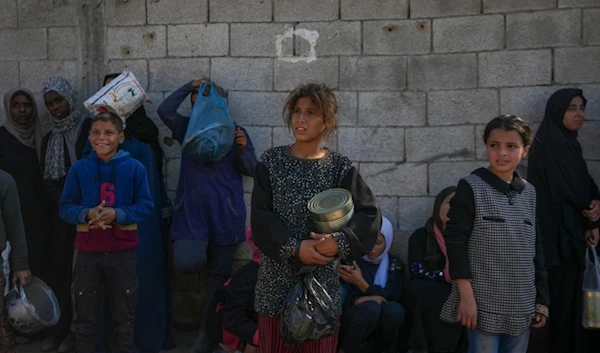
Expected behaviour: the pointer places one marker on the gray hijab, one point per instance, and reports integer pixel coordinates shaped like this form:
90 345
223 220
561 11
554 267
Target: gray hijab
64 130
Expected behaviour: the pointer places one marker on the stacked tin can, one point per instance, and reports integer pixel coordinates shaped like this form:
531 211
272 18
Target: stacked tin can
331 210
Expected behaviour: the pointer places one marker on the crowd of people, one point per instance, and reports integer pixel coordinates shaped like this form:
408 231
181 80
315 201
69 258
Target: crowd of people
497 268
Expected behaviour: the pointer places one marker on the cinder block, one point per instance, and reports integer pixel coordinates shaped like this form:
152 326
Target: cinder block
591 27
125 13
173 166
170 74
502 6
262 138
437 8
33 74
444 174
35 13
177 11
23 44
473 33
335 38
9 71
366 144
389 209
414 212
259 39
527 102
8 14
257 108
347 108
155 99
364 73
448 71
592 106
243 74
63 43
241 11
589 138
431 144
288 75
395 179
586 70
307 10
561 28
396 37
199 40
374 9
462 107
577 3
392 109
138 67
136 42
515 68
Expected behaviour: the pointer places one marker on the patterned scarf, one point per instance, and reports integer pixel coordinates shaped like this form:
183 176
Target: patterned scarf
63 132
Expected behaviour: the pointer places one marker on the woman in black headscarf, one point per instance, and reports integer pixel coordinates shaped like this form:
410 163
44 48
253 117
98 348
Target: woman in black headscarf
568 212
430 281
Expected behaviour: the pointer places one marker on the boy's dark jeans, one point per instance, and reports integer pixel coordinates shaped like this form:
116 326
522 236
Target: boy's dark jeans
115 272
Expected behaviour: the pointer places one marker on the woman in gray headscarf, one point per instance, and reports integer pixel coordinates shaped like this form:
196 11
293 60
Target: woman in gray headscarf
61 147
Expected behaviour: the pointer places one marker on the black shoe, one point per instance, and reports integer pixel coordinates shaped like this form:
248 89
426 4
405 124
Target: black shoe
50 344
68 344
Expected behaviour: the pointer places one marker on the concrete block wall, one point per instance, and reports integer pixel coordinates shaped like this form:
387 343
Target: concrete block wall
417 80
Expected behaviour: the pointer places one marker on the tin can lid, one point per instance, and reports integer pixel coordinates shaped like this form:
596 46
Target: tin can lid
330 201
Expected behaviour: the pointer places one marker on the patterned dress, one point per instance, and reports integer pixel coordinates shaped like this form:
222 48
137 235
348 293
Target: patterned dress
280 218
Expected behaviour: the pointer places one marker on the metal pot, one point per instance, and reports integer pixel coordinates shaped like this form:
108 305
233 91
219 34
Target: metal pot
591 309
331 209
32 308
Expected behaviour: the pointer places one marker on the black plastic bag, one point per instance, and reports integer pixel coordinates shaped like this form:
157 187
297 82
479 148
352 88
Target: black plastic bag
308 311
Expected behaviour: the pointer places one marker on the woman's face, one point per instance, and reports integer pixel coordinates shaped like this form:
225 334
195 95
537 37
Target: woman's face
21 109
57 105
378 248
575 115
444 209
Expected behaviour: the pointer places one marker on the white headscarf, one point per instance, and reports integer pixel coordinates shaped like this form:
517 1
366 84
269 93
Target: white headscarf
381 275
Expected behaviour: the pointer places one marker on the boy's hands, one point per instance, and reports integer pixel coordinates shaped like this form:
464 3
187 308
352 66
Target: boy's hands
101 216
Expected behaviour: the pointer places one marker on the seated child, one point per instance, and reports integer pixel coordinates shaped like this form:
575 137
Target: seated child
105 194
372 309
232 311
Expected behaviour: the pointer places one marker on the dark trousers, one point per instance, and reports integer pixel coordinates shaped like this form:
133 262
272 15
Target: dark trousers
192 255
115 272
369 319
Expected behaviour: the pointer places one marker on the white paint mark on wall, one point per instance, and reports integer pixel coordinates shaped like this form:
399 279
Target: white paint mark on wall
310 36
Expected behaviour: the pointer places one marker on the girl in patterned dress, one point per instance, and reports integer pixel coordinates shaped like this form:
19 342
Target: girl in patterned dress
500 283
286 178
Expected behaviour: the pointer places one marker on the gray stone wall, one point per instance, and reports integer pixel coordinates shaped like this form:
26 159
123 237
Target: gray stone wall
416 79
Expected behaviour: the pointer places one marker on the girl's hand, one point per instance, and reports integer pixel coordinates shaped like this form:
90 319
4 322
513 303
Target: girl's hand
240 138
376 298
593 214
351 274
591 238
24 277
328 247
309 254
540 321
467 312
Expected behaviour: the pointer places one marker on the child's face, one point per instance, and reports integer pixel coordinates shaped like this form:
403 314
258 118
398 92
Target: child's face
105 139
504 151
307 121
378 248
575 115
57 105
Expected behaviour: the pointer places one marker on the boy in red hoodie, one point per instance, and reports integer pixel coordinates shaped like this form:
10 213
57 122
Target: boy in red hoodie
105 194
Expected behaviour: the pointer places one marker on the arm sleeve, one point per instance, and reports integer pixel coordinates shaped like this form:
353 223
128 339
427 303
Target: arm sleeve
13 223
458 230
270 234
142 205
362 230
247 157
167 111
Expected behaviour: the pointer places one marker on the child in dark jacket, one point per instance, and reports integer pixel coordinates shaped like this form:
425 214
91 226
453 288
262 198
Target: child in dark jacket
372 309
105 194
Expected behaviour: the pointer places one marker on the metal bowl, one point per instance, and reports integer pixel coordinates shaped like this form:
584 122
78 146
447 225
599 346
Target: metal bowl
32 308
330 205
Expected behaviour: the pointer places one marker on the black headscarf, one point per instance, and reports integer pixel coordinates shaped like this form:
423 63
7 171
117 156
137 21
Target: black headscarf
140 126
560 175
433 254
